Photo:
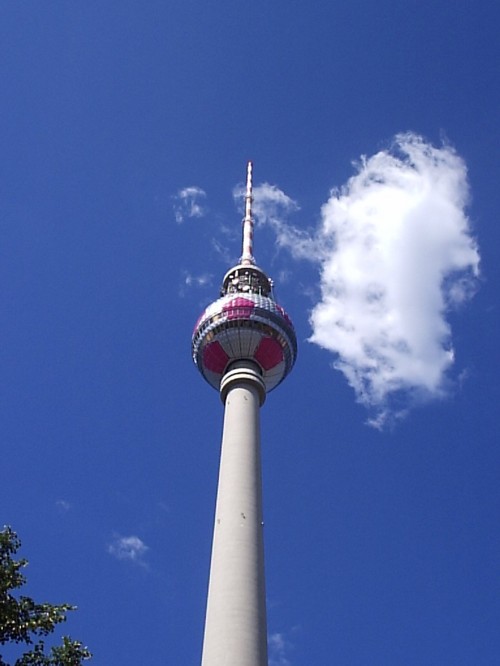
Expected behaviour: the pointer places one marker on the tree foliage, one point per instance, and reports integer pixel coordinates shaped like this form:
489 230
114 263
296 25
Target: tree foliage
22 620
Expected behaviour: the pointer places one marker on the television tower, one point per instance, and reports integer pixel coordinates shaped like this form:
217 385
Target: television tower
244 345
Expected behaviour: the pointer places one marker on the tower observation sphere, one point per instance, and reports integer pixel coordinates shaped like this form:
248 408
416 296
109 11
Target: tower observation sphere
244 345
246 323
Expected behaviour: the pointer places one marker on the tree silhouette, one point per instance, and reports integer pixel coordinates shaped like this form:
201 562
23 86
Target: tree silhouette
24 621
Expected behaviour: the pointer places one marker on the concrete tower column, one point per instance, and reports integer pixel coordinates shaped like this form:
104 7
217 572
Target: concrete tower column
235 626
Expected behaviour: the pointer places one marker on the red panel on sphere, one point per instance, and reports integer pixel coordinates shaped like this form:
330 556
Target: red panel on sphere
269 353
214 357
239 307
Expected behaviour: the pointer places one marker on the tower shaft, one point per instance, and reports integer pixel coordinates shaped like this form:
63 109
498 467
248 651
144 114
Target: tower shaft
235 626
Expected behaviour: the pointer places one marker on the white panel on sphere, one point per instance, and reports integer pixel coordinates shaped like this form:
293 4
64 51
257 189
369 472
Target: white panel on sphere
250 339
230 342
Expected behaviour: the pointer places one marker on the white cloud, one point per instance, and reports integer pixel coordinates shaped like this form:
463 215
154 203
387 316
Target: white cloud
63 505
189 203
278 647
396 254
129 548
399 254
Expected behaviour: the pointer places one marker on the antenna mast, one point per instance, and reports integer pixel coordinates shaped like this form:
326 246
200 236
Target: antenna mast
247 256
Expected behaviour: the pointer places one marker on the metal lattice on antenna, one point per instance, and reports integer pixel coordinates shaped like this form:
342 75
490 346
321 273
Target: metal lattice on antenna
247 258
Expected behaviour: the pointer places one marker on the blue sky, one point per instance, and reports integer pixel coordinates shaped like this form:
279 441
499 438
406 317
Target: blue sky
382 543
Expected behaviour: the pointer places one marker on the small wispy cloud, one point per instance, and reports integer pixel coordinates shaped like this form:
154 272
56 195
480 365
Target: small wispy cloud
284 276
272 207
197 280
278 647
129 548
190 281
222 251
63 505
189 203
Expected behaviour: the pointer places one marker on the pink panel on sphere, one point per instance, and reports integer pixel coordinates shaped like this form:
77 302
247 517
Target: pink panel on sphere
239 307
268 353
214 357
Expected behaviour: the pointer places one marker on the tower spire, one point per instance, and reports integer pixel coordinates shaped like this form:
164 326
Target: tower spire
247 258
